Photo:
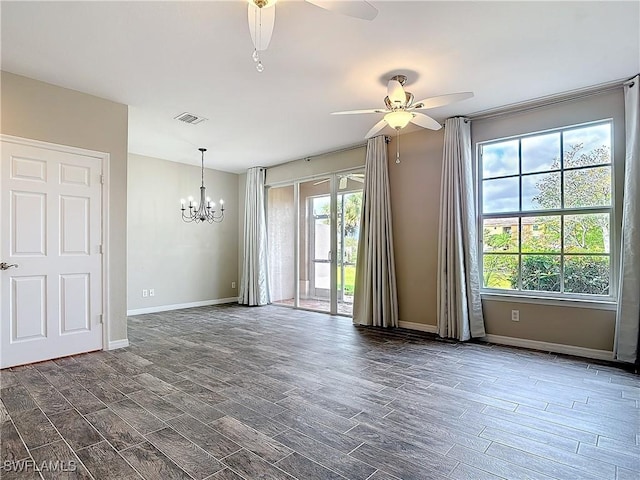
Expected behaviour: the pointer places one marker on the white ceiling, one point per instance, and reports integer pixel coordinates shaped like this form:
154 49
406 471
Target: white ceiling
165 58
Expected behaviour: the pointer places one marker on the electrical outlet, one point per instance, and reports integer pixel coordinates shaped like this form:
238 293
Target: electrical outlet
233 284
152 292
515 315
145 293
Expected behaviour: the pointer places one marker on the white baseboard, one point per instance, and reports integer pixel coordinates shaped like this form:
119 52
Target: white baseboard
118 344
180 306
422 327
549 347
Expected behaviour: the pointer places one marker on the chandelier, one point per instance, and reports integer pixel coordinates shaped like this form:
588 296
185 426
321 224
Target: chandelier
205 211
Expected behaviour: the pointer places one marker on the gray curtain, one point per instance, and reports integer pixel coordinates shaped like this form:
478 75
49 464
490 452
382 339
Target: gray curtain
254 284
628 312
459 304
375 300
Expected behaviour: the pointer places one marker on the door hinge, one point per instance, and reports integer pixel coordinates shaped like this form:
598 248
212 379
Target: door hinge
100 249
100 319
102 179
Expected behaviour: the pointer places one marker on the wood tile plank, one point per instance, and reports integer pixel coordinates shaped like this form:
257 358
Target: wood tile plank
226 474
115 430
252 466
299 466
252 440
75 429
82 400
153 464
104 463
193 406
61 462
16 398
35 428
155 404
187 455
494 465
318 431
396 465
620 458
12 448
557 467
136 416
326 456
204 436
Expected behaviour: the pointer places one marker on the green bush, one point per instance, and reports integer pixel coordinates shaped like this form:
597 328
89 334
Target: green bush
587 275
582 274
539 272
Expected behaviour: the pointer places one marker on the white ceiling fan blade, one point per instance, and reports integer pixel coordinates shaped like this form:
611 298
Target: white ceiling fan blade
261 23
425 121
376 128
358 178
396 94
321 182
354 112
442 100
352 8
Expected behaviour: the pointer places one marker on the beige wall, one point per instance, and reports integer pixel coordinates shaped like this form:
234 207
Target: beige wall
183 262
41 111
331 162
415 206
580 327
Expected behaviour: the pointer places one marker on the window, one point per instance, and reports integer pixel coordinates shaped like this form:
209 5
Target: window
547 212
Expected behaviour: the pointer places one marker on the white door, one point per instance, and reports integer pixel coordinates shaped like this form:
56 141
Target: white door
51 230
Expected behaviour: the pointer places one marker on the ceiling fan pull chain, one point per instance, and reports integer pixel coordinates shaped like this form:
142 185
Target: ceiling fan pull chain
259 66
398 145
257 28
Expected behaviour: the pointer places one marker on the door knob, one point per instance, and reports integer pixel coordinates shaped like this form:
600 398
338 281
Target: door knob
6 266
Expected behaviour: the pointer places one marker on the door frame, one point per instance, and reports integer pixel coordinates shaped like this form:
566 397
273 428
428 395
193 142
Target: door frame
105 164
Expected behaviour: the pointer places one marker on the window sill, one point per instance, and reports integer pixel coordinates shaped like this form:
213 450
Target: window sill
558 302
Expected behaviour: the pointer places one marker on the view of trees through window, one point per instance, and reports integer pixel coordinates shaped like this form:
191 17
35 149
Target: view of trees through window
547 211
349 211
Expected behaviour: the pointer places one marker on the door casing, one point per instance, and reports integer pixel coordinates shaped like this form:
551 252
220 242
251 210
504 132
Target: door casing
105 168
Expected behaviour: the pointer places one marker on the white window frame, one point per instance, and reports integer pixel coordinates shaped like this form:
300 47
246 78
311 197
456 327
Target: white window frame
535 296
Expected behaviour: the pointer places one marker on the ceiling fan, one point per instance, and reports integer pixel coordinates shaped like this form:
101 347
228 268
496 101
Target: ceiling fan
262 17
401 109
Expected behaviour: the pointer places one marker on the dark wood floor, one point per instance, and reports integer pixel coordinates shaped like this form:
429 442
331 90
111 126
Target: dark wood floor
272 393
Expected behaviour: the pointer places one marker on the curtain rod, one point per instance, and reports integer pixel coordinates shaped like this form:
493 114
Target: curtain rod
333 152
549 100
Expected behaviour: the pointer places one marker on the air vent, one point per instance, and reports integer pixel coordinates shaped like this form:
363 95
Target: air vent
190 118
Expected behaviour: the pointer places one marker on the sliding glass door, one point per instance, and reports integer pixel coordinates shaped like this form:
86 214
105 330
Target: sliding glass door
349 209
315 244
313 229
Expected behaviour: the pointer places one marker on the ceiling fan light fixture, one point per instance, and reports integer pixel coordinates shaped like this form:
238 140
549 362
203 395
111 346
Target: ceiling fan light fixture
398 119
262 3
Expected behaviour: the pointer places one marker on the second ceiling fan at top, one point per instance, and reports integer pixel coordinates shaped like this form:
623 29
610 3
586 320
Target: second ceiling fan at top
262 17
